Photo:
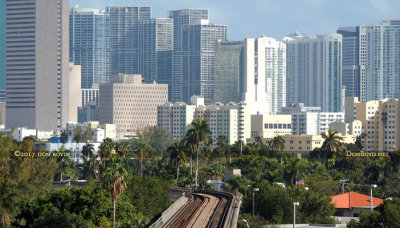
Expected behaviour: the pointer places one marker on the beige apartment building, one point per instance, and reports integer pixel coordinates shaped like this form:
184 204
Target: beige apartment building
380 120
269 126
304 143
129 103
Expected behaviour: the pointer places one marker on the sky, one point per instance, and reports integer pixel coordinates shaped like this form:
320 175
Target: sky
273 18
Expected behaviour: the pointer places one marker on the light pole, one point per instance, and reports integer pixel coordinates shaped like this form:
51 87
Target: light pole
372 186
294 213
245 221
254 190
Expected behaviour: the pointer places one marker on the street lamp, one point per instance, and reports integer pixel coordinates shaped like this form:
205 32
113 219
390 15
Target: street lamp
245 221
294 213
372 186
254 190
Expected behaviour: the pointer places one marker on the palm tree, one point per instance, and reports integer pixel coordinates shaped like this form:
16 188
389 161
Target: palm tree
94 165
259 142
142 151
87 150
238 147
64 161
331 142
277 144
200 132
122 149
114 180
223 147
395 159
177 154
106 148
64 137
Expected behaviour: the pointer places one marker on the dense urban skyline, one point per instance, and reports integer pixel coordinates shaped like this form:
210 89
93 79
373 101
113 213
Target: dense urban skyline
272 18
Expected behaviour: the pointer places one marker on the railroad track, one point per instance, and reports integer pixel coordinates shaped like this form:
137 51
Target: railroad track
204 209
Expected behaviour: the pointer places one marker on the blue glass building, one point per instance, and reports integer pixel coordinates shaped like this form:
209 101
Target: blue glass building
89 46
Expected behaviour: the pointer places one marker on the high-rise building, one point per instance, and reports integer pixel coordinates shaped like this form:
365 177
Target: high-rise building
88 44
37 63
383 65
228 71
130 104
194 53
182 19
124 37
198 59
156 45
275 73
354 51
254 76
71 99
314 71
3 45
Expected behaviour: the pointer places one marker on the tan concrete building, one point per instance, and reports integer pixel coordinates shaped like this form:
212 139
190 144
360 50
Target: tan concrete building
381 123
269 126
71 99
130 104
304 143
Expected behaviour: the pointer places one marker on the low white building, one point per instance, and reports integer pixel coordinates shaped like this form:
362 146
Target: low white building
99 132
176 118
20 133
74 148
231 120
314 123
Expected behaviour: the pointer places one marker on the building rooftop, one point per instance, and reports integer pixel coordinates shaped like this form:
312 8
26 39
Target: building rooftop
354 199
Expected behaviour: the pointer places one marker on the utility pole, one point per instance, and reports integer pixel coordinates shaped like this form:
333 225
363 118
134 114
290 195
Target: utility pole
343 183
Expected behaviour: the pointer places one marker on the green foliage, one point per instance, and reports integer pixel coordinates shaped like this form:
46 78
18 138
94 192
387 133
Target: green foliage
275 204
254 221
78 134
157 138
106 148
21 178
76 207
149 195
386 215
64 137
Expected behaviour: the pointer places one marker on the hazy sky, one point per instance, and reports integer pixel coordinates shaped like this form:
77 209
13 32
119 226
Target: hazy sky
275 18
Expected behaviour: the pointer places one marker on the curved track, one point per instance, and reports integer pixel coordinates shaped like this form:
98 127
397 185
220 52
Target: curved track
204 209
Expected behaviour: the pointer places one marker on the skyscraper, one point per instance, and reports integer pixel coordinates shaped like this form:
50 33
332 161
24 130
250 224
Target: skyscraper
124 37
264 75
37 62
156 45
314 71
254 76
88 44
275 73
2 45
383 64
198 55
228 71
354 60
182 19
